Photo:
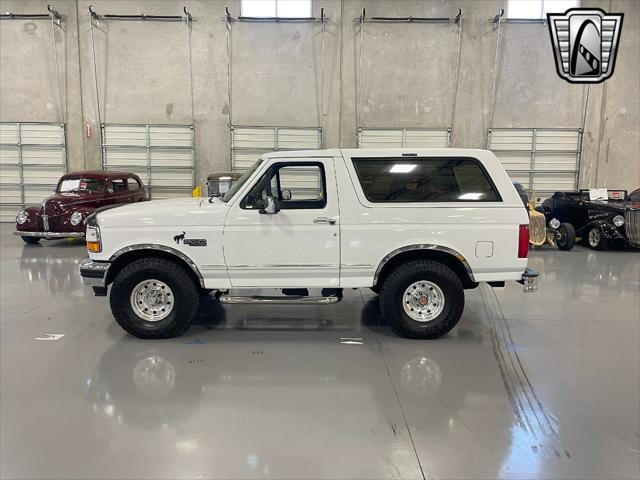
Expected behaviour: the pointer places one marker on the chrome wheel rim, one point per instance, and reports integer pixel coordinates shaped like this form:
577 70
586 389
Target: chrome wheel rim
594 237
423 301
152 300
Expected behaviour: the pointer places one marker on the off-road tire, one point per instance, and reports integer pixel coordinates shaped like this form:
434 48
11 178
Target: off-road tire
375 289
567 231
31 240
186 297
394 286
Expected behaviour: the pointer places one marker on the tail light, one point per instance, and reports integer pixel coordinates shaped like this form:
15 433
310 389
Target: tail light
523 241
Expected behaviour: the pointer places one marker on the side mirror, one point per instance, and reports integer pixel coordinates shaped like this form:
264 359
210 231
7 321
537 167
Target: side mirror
286 194
271 206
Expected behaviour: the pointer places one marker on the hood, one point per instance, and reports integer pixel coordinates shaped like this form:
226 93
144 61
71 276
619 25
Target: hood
608 206
170 212
56 204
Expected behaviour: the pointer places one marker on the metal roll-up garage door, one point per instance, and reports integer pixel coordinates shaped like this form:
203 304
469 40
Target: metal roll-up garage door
248 143
542 160
33 156
162 155
404 137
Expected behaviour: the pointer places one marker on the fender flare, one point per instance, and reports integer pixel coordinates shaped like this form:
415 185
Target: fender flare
424 246
162 248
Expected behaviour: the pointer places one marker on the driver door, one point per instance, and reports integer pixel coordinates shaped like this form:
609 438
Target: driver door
299 245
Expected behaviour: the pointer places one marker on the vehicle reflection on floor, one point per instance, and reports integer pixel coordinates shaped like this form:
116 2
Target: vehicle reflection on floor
264 388
56 268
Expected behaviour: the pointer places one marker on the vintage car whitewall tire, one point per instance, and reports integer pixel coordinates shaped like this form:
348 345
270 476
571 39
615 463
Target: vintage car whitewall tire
154 298
435 307
567 236
30 240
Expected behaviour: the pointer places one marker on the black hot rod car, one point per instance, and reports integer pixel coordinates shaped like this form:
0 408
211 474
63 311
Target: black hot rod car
601 222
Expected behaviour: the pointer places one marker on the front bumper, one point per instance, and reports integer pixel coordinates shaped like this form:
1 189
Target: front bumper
529 280
50 235
94 274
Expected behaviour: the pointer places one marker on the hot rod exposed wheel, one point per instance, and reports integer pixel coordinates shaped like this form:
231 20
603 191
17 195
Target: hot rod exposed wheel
422 299
31 240
154 298
595 240
567 236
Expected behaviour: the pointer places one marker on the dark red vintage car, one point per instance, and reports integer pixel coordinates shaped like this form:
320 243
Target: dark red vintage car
77 195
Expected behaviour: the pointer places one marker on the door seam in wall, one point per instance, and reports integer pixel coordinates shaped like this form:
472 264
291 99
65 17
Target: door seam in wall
84 148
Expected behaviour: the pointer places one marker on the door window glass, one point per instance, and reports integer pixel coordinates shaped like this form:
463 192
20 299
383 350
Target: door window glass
295 185
118 185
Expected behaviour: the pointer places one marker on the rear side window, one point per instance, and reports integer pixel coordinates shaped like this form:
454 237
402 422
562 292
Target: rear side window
433 179
133 184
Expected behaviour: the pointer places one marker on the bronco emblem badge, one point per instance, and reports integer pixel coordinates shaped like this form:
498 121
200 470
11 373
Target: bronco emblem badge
585 43
192 242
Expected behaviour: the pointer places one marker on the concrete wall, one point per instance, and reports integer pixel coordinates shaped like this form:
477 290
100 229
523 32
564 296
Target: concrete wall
278 77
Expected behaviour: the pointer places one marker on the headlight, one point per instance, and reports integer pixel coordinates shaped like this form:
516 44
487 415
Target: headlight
554 223
76 218
94 245
22 217
618 220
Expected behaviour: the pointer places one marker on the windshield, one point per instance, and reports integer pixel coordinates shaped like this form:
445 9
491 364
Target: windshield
80 185
240 182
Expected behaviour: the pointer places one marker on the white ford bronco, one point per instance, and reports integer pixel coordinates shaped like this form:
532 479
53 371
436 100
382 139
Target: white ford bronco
418 227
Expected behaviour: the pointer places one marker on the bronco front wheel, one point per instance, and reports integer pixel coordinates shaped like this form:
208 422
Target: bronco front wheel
422 299
154 298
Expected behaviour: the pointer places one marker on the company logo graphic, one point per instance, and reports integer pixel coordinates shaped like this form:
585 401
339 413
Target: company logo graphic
585 43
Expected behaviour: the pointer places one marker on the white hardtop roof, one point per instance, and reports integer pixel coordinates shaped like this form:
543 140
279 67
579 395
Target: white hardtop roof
378 152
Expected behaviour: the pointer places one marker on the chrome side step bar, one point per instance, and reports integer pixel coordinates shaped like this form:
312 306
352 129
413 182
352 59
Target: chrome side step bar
283 300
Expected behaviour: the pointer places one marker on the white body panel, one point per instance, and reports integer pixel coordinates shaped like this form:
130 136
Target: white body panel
158 222
371 231
287 249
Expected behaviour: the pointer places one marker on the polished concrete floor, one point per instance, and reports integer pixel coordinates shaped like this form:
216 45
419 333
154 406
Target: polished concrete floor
527 386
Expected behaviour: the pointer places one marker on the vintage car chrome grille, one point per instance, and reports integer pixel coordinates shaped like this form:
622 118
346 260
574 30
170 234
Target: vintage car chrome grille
537 228
632 225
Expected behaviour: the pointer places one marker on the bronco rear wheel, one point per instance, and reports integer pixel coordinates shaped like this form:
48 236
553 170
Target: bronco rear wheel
422 299
154 298
31 240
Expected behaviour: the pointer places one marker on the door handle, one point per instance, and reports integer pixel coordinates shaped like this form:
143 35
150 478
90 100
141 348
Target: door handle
328 221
